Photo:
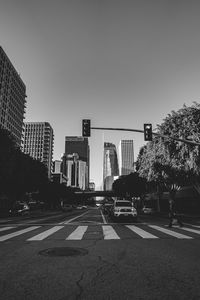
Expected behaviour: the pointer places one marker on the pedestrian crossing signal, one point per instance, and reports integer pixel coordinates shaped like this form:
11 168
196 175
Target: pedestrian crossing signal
86 128
148 132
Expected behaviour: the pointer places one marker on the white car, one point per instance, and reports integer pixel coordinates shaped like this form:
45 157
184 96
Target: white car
123 208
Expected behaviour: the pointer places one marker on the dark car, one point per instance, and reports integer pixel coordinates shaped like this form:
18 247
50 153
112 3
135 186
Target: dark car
106 208
148 210
20 209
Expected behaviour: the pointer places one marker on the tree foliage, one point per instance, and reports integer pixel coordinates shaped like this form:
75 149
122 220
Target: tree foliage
19 173
131 184
168 162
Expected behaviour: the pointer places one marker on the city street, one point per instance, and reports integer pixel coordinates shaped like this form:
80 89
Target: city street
85 255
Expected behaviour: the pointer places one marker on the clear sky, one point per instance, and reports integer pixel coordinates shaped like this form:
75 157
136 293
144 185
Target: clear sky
120 63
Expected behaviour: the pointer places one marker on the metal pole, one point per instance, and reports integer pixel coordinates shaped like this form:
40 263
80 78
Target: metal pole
153 133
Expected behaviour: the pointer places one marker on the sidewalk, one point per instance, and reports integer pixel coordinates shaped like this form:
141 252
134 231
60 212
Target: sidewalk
183 215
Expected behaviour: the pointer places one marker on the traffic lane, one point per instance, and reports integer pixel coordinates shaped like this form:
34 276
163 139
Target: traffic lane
92 215
43 218
128 269
41 215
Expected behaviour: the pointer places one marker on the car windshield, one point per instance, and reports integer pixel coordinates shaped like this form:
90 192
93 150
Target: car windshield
123 203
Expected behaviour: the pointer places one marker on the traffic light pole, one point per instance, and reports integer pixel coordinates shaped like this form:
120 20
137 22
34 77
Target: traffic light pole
153 133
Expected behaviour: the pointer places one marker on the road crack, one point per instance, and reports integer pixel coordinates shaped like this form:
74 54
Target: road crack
79 286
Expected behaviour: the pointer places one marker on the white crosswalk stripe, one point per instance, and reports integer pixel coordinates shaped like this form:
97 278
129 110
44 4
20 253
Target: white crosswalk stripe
78 233
191 230
16 233
109 233
170 232
144 234
45 234
6 228
106 232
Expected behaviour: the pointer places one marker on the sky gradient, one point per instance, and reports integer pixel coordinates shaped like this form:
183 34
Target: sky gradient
120 63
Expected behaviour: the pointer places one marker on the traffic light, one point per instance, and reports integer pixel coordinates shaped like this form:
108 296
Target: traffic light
85 128
148 132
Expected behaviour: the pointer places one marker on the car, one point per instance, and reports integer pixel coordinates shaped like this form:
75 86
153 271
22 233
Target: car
123 208
67 207
81 207
19 209
148 210
106 208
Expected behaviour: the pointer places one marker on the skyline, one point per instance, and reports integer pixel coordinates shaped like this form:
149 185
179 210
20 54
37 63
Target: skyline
118 63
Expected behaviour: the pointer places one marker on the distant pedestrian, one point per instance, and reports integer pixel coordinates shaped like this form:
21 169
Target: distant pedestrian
173 214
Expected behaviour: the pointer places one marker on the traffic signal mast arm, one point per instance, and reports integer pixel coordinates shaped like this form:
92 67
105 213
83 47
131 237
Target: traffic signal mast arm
153 133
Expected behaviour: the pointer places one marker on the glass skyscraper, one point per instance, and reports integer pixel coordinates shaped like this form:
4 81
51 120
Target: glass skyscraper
12 98
110 165
126 157
77 145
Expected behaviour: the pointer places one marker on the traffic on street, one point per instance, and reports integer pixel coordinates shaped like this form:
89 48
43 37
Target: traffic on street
86 254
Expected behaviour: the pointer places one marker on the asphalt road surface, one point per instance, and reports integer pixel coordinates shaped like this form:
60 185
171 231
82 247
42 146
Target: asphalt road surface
85 255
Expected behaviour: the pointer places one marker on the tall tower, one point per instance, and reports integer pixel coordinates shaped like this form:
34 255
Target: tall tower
38 142
110 165
126 157
80 146
12 98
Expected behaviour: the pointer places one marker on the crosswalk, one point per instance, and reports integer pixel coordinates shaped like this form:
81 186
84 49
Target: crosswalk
101 232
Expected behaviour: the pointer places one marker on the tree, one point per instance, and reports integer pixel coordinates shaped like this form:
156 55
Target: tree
170 163
131 184
19 173
7 157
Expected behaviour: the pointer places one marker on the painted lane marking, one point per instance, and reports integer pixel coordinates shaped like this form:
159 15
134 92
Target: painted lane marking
66 222
6 228
45 234
78 233
104 220
11 235
144 234
170 232
109 233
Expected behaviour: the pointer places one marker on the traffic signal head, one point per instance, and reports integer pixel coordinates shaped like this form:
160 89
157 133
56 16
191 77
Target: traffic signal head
148 132
86 128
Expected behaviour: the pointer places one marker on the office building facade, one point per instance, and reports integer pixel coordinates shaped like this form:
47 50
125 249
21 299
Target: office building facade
57 176
110 165
126 157
12 98
75 171
79 146
38 142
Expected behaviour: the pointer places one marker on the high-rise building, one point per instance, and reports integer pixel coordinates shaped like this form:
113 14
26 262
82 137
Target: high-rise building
110 165
57 166
57 176
12 98
38 142
80 146
126 157
75 171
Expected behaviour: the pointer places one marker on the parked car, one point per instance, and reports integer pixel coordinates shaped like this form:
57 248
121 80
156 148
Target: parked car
67 207
123 208
81 207
148 210
19 209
